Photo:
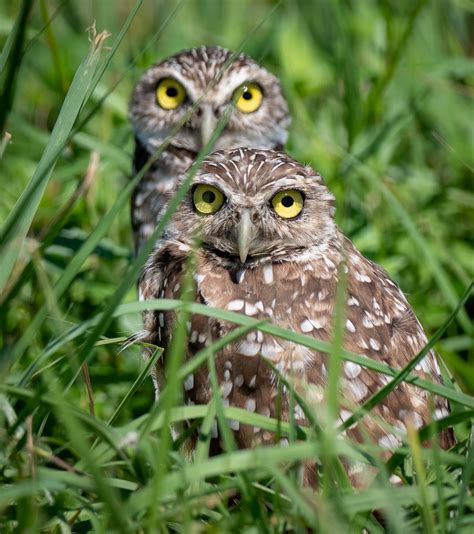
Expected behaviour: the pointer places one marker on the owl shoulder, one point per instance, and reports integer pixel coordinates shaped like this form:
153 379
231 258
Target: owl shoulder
167 258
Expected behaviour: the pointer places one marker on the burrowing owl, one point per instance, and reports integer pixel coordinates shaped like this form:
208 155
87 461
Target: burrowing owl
194 89
271 250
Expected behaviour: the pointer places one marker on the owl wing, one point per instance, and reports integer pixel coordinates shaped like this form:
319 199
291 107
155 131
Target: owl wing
381 324
162 270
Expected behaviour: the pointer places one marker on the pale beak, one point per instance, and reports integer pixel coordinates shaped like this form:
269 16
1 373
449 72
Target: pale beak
245 235
208 124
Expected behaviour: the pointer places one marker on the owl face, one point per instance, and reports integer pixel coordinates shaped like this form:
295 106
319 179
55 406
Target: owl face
247 206
195 88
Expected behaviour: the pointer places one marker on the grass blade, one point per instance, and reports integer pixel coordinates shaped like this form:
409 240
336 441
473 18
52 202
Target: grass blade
18 222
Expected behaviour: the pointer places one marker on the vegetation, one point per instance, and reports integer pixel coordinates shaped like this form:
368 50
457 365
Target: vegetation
381 98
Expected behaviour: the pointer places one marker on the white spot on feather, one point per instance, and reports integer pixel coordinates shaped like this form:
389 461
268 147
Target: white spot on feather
375 345
367 321
250 405
240 276
267 271
350 326
226 388
424 366
362 277
248 349
416 418
356 468
352 369
358 388
250 309
239 380
440 413
235 305
234 425
389 441
189 382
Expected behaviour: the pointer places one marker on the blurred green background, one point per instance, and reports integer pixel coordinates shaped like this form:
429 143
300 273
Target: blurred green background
381 94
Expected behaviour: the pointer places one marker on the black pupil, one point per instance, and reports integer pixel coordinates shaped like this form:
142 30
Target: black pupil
287 201
247 95
209 197
171 91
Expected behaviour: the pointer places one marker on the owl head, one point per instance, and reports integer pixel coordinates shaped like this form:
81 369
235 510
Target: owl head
193 89
250 206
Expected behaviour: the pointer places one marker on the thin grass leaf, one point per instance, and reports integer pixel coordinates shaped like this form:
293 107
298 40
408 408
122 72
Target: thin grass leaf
415 446
53 45
175 355
99 428
295 494
138 382
18 222
394 56
466 485
234 462
403 496
12 53
73 427
204 438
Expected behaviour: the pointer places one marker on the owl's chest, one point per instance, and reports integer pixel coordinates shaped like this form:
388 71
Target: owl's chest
282 294
287 295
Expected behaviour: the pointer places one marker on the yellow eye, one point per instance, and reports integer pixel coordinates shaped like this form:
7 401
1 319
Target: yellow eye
248 97
288 204
170 94
207 199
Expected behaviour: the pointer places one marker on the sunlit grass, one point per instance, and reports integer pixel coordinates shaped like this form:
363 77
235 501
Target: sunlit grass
381 98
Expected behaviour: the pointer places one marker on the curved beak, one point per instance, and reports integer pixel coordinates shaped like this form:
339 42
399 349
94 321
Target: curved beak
208 124
245 235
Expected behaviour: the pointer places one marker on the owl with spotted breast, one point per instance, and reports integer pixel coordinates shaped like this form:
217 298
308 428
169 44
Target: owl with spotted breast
270 249
181 100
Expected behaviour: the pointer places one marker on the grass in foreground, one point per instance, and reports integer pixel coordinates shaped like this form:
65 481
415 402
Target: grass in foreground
380 94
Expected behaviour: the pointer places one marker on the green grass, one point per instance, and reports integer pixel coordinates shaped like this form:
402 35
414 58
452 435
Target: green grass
381 95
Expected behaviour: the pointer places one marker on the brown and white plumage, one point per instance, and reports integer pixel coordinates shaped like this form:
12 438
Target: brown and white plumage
209 77
290 277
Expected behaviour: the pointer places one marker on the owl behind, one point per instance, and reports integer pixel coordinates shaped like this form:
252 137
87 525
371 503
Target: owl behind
184 97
